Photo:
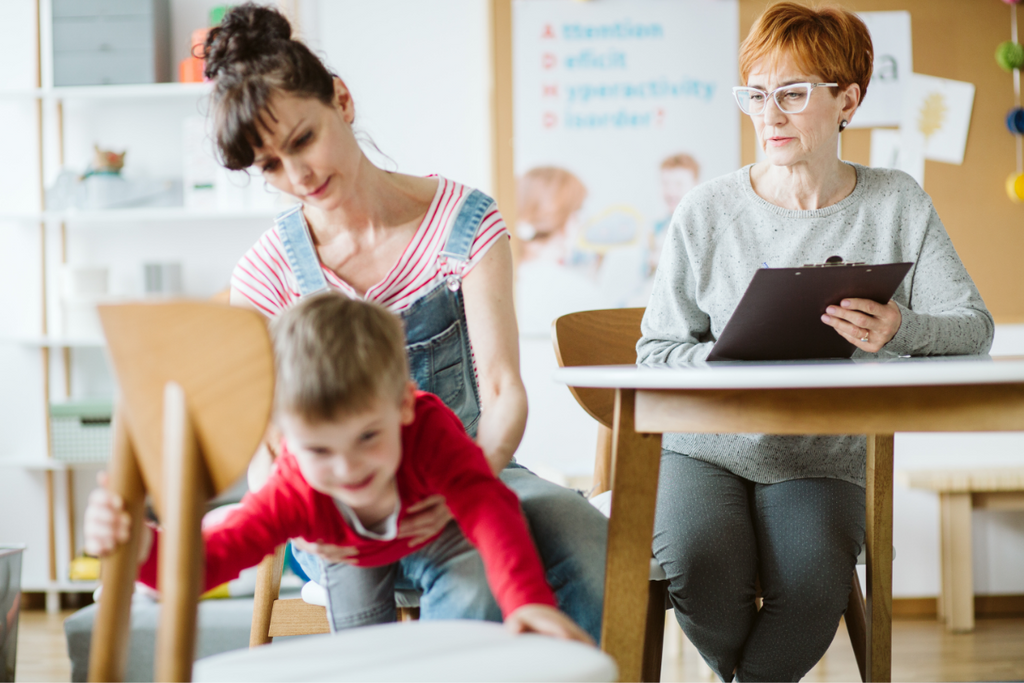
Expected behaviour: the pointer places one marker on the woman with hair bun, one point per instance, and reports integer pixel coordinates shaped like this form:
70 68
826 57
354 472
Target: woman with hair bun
789 510
430 249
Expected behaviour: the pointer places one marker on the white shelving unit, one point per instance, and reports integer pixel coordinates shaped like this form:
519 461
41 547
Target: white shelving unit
144 91
154 214
57 587
56 342
51 100
47 465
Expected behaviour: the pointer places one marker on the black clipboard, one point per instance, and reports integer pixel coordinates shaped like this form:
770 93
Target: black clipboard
779 316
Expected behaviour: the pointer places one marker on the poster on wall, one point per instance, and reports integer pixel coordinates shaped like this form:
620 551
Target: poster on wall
937 112
891 41
621 108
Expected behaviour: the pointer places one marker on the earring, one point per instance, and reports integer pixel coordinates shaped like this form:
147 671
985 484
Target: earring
843 125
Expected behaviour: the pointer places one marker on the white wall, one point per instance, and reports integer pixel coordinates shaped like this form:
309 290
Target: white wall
420 76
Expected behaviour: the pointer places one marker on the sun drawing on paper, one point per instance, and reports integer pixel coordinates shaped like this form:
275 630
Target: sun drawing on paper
932 115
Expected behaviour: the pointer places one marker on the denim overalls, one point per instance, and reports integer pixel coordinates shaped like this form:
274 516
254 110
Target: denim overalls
436 338
570 534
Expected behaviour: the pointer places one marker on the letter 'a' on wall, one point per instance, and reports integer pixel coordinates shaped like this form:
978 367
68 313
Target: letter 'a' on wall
891 41
621 108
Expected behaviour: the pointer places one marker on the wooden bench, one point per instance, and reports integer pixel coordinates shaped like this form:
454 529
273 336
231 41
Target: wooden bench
960 491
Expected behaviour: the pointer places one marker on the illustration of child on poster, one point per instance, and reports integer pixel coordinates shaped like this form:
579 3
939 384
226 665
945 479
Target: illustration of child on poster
554 276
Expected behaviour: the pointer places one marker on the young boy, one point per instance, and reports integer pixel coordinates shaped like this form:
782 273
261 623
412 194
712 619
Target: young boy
361 445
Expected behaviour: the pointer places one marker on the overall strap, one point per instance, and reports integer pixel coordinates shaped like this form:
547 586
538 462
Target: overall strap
300 252
467 222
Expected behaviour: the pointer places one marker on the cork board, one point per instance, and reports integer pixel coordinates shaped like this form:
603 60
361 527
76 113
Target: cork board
957 40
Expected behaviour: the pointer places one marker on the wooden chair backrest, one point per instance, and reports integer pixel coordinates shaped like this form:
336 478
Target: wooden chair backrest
220 356
602 337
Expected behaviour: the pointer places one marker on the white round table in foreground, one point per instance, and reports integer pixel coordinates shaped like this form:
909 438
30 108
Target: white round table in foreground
414 651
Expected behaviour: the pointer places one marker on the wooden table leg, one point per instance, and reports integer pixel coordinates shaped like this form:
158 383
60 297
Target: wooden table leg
108 652
878 532
636 459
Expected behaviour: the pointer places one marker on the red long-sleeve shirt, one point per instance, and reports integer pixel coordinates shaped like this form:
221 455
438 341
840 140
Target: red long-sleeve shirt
438 457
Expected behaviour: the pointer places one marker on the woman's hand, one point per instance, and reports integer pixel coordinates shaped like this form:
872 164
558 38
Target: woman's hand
424 519
547 621
108 525
865 323
334 554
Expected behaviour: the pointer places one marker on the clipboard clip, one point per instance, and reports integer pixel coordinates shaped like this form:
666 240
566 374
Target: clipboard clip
833 261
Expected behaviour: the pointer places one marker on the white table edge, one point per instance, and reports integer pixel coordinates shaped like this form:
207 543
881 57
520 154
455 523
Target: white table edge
937 371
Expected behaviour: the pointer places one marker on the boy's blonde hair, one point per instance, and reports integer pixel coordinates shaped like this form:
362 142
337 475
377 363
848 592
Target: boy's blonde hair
336 355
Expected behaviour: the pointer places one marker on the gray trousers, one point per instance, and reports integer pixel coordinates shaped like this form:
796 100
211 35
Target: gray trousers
715 533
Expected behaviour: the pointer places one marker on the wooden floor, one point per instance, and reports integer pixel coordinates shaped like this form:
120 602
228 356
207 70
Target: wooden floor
922 651
42 652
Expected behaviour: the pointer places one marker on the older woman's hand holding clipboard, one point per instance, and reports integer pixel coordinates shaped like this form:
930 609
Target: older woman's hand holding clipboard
781 313
866 324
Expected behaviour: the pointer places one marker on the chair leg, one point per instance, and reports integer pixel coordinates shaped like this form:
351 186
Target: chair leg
186 489
268 589
856 625
602 461
108 652
654 631
408 614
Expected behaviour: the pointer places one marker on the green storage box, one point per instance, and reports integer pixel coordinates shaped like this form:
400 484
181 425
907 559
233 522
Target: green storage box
80 430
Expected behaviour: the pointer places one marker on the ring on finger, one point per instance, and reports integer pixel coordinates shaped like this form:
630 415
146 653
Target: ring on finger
865 337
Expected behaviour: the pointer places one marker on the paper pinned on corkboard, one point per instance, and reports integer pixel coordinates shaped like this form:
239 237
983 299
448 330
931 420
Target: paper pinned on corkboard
936 117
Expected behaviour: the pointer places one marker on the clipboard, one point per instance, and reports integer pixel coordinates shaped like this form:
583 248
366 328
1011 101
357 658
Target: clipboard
779 316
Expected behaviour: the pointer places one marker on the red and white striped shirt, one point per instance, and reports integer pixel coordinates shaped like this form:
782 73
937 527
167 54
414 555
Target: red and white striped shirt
264 277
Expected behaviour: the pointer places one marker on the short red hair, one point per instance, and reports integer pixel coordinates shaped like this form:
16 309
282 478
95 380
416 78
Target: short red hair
828 41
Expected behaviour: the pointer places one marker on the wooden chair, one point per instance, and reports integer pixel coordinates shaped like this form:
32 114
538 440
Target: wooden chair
196 387
609 337
272 616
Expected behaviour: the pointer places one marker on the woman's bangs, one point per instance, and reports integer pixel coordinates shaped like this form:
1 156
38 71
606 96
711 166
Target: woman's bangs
242 114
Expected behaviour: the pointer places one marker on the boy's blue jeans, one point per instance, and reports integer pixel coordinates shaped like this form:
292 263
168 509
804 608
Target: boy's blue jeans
570 534
448 573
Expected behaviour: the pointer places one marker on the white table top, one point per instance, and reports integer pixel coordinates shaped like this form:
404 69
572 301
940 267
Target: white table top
413 651
920 371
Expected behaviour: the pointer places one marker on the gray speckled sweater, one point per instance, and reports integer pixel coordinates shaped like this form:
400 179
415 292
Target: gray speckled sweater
723 231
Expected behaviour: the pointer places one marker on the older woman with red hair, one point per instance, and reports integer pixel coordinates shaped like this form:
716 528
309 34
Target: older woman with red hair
788 510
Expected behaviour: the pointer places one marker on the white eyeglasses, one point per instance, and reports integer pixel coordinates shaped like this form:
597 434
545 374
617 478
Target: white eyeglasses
790 99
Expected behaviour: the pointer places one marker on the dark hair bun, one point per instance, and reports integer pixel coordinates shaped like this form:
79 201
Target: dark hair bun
247 33
251 57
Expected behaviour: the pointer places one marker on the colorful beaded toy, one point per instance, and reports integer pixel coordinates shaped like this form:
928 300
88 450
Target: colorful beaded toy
1010 56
